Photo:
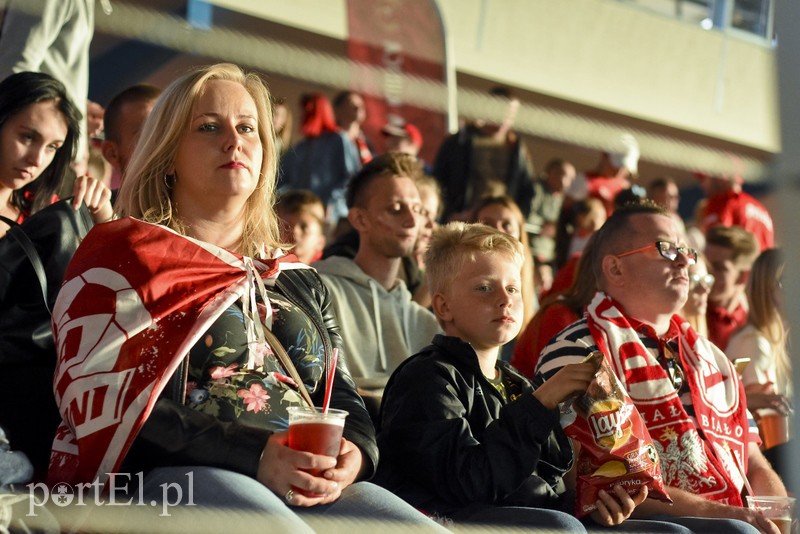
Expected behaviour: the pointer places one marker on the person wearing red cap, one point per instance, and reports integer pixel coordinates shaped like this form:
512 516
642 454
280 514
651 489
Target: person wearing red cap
402 137
613 174
728 205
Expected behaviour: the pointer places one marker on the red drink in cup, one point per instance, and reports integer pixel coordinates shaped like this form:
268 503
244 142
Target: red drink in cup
316 432
319 438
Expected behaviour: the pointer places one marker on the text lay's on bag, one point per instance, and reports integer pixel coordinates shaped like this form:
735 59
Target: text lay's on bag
615 446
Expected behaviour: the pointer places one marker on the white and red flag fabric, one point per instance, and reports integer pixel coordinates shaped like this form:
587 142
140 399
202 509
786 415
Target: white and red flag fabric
135 299
704 452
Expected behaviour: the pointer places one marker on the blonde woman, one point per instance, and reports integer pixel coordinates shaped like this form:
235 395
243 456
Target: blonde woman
768 377
763 339
178 311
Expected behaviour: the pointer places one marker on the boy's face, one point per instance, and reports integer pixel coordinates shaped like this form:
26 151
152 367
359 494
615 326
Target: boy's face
728 281
500 217
305 231
483 304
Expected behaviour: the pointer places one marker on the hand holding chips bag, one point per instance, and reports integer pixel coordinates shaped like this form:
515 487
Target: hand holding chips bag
616 448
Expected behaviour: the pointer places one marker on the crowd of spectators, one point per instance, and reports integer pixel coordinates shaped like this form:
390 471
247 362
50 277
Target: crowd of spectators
452 303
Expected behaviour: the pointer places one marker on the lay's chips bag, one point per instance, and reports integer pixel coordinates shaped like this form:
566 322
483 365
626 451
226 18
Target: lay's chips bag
615 446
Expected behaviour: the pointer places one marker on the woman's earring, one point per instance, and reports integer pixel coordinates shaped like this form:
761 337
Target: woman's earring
169 180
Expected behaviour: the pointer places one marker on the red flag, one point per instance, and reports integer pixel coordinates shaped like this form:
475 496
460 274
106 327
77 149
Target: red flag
403 38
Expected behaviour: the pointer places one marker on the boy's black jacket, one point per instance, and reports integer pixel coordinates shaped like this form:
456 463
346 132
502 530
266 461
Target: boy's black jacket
449 442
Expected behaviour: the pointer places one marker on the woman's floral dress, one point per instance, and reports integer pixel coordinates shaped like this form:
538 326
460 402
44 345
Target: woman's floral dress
221 385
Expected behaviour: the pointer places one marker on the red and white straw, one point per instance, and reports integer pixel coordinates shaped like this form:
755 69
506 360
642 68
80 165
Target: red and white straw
331 372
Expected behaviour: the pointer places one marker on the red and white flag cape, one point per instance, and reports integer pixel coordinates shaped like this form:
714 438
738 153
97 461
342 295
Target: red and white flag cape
135 299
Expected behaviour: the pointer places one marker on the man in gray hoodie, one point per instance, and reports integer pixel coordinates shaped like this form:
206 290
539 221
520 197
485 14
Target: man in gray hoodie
380 324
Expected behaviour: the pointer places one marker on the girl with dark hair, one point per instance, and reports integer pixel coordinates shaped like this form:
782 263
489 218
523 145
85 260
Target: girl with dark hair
557 311
39 128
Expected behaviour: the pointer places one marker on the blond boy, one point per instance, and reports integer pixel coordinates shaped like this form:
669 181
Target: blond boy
464 435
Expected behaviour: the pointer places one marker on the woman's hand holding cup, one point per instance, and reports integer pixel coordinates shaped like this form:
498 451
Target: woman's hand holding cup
285 471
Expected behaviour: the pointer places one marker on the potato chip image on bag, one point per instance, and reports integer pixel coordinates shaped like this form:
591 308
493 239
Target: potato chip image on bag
615 446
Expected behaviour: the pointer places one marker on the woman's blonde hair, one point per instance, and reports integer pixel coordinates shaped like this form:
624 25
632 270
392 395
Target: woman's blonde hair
765 313
145 193
457 242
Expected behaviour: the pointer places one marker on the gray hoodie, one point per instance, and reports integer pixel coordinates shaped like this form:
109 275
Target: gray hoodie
380 328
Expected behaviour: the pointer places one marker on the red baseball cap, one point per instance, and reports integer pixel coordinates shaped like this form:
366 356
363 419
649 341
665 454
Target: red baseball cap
406 130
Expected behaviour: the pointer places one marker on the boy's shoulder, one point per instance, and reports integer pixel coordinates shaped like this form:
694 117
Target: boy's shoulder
442 352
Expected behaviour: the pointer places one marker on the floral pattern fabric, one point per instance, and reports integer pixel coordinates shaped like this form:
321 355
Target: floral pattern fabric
220 384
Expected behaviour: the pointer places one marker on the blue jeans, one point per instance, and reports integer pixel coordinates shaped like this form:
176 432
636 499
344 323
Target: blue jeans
556 521
239 501
520 516
710 525
641 525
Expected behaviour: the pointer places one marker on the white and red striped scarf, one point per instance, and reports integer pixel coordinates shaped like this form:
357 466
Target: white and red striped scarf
707 456
136 298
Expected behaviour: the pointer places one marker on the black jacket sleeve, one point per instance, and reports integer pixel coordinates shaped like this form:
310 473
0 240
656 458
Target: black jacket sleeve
175 434
452 172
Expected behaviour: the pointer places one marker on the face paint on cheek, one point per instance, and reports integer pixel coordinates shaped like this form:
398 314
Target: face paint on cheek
388 221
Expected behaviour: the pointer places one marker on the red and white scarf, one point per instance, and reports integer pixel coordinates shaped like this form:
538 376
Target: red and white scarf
135 299
707 455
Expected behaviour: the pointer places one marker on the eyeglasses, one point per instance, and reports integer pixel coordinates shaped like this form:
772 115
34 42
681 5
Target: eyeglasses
706 281
667 250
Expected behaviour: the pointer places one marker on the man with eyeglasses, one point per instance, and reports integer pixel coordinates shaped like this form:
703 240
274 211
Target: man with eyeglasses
685 388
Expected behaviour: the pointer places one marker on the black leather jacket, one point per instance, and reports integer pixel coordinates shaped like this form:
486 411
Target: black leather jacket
175 434
449 442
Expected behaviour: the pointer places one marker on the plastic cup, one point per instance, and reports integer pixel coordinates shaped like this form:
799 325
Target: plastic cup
311 430
779 510
774 428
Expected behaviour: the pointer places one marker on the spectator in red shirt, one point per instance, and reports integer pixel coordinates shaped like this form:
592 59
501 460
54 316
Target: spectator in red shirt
728 205
731 251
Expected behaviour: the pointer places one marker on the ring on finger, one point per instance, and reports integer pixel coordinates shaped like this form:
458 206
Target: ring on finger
289 495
